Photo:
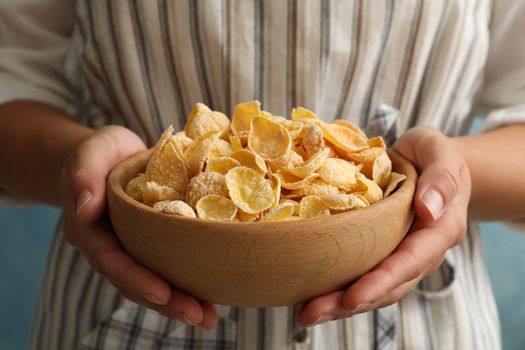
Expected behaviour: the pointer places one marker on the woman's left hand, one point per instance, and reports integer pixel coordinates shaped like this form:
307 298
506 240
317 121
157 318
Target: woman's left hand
441 201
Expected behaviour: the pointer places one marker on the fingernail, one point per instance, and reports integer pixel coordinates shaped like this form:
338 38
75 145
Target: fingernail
152 299
322 319
434 202
179 316
359 308
82 200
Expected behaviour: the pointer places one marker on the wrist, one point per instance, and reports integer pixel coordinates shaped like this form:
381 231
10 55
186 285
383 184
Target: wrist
36 138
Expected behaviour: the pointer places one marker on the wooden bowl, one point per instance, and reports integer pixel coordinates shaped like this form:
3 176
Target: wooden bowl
259 264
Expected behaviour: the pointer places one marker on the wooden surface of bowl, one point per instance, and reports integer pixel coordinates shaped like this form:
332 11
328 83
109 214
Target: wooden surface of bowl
259 264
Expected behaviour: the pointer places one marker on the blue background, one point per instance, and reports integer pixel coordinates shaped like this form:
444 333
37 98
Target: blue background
25 234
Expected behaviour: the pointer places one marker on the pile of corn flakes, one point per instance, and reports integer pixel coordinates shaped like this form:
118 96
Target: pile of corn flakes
261 167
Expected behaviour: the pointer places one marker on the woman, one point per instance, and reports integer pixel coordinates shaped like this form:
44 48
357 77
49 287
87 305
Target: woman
70 68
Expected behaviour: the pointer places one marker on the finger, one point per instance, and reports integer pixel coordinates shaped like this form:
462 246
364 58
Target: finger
182 309
319 310
419 251
389 299
106 255
329 307
439 166
209 317
395 295
185 305
88 167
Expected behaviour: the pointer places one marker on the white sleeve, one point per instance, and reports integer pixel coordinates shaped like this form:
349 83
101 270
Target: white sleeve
34 41
503 95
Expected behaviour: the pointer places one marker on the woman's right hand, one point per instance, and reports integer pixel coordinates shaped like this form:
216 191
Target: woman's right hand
83 191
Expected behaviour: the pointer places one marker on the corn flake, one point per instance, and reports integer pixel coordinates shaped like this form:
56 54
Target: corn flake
209 182
292 182
268 139
311 165
251 160
175 207
134 188
197 153
246 217
275 118
343 138
311 207
152 193
167 167
295 204
313 141
343 201
338 172
221 164
181 141
291 158
381 170
348 124
377 141
296 129
220 148
369 189
236 143
303 113
243 113
314 188
282 212
249 190
276 187
365 156
395 180
202 120
216 207
164 137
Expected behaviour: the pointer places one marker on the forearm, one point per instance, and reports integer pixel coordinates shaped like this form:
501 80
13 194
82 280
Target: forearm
35 139
497 165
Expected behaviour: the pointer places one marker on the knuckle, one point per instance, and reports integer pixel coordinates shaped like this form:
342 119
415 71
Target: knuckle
74 169
76 178
128 269
97 260
419 269
437 264
460 237
106 138
425 134
395 296
460 229
97 266
71 161
390 299
415 265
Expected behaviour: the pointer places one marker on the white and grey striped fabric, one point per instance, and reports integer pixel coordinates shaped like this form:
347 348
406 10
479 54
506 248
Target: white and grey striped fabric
143 64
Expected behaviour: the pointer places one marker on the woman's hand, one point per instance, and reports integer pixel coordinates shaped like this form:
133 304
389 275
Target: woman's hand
441 201
83 191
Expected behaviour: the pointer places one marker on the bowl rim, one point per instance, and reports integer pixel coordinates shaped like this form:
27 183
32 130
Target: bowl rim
113 185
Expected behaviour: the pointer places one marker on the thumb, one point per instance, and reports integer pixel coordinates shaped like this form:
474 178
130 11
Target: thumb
439 166
89 166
